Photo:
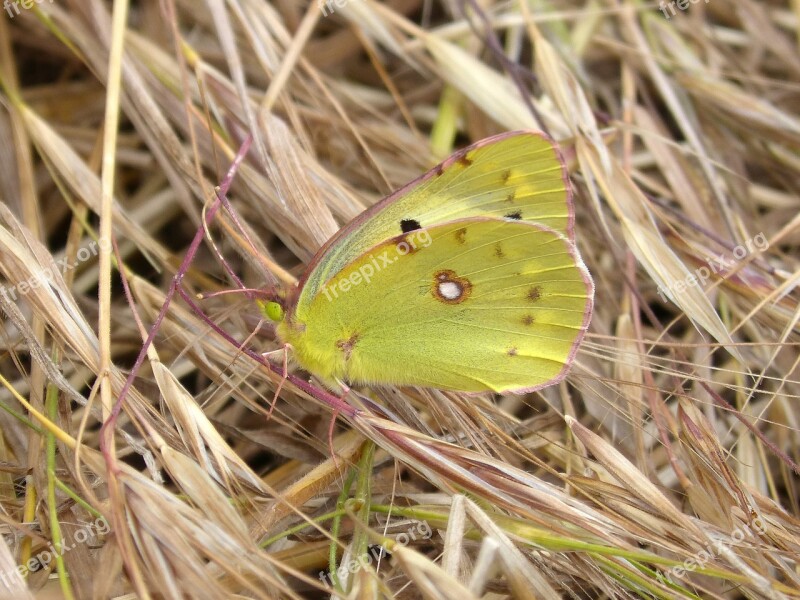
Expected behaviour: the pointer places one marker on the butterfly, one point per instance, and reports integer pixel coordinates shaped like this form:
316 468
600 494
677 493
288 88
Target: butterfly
467 278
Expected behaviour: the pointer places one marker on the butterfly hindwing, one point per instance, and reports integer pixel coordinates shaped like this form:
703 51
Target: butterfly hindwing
474 304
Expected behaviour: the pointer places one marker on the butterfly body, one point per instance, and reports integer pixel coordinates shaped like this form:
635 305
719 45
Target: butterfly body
466 279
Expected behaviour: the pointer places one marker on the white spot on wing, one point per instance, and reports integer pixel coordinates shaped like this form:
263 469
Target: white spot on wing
449 290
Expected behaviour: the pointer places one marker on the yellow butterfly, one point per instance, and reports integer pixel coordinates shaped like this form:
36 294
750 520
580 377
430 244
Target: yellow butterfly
467 278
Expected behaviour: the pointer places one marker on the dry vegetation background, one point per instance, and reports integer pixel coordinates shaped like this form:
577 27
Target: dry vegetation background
664 467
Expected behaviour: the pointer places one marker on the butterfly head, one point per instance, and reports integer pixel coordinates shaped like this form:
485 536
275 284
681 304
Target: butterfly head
273 304
272 309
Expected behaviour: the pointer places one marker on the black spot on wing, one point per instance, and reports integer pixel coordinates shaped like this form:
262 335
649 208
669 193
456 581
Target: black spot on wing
408 225
516 216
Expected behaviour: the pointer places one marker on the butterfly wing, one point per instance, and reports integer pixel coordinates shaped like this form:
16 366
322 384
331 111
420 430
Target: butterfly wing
518 174
476 304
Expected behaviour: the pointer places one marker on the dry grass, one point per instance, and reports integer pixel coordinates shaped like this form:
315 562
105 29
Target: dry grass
674 438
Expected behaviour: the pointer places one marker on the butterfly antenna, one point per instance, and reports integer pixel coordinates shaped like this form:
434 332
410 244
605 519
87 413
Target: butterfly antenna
238 223
209 238
243 290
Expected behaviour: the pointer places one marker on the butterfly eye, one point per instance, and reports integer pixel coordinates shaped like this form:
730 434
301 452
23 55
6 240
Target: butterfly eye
272 310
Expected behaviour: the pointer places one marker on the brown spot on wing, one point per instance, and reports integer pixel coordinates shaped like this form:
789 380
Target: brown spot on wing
535 293
449 288
527 320
511 351
498 250
347 346
464 160
510 198
505 176
461 235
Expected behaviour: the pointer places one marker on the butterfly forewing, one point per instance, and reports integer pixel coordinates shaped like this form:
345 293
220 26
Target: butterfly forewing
518 175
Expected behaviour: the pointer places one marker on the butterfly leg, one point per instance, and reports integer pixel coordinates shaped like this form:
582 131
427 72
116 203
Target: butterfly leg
334 415
284 375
